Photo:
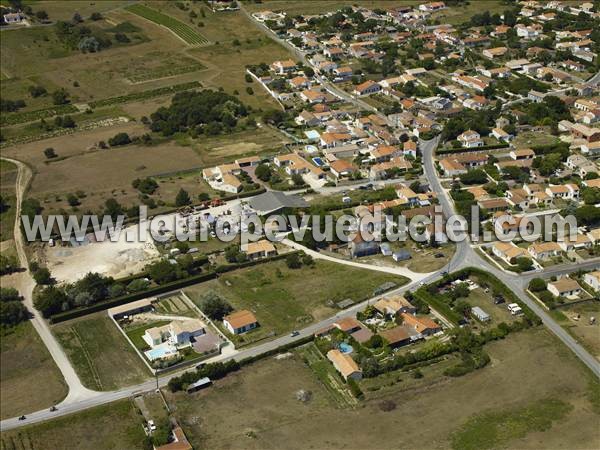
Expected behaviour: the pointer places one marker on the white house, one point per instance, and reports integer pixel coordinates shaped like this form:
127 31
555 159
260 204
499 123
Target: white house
593 280
176 333
565 287
240 322
470 139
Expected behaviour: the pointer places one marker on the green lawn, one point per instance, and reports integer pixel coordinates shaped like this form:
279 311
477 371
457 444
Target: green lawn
29 378
102 357
113 426
8 177
284 299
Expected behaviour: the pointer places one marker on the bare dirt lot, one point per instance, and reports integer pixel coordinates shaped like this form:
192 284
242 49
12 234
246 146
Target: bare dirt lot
424 417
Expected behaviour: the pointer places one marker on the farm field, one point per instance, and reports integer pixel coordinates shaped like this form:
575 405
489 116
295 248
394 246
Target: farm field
561 413
117 425
284 299
180 29
24 362
101 355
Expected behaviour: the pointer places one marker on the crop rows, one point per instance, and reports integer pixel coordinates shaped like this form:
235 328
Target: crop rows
144 95
181 29
165 72
30 116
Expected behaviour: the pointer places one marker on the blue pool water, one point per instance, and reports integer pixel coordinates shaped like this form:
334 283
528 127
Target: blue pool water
159 352
345 348
318 161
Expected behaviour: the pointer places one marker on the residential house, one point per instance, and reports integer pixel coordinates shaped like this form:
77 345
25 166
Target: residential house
367 88
259 249
544 250
393 305
592 279
502 135
342 169
470 139
579 242
496 52
565 287
451 167
176 333
507 251
423 325
397 336
284 67
359 247
344 364
240 322
494 205
520 154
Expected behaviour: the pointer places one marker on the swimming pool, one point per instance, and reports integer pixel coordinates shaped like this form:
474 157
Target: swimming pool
345 348
310 148
159 352
318 161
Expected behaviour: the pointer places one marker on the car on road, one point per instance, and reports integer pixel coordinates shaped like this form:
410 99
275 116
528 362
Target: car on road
294 333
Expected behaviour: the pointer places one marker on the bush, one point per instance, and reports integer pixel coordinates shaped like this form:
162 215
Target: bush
50 153
214 306
537 285
293 261
119 139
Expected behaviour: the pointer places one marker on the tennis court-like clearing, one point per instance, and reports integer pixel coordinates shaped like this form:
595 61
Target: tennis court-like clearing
182 30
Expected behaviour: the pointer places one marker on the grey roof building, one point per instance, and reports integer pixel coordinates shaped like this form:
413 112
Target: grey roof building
271 201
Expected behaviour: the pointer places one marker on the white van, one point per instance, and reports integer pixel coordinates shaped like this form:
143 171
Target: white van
515 309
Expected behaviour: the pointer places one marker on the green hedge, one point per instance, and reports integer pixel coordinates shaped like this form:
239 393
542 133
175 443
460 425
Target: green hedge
439 305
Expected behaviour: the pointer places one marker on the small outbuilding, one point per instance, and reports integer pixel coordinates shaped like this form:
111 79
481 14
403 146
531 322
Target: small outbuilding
480 314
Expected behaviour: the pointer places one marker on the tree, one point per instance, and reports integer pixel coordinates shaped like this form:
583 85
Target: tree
537 285
112 208
42 276
297 179
293 261
77 18
138 285
72 200
119 139
182 198
9 295
50 153
263 172
95 16
51 301
60 97
37 91
524 264
475 176
145 185
214 306
68 122
162 271
41 15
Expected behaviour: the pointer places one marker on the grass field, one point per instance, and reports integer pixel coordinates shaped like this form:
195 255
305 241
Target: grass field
29 379
588 335
101 355
8 177
113 426
426 413
284 299
179 28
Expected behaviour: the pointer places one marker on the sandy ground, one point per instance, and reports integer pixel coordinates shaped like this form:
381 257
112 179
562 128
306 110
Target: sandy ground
115 259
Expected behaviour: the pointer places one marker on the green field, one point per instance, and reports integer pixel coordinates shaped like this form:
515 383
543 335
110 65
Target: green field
101 355
8 177
29 379
114 426
182 30
284 299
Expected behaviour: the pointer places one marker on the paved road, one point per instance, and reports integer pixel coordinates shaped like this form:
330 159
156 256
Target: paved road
25 285
402 271
467 257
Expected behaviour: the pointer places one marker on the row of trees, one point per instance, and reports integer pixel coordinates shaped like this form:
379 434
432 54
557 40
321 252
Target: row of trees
12 309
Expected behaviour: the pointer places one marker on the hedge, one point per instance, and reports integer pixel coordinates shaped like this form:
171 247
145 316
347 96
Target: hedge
161 289
437 304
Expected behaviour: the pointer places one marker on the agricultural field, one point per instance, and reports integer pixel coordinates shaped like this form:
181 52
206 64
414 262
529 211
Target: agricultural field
8 177
182 30
102 357
116 425
542 410
24 362
284 299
